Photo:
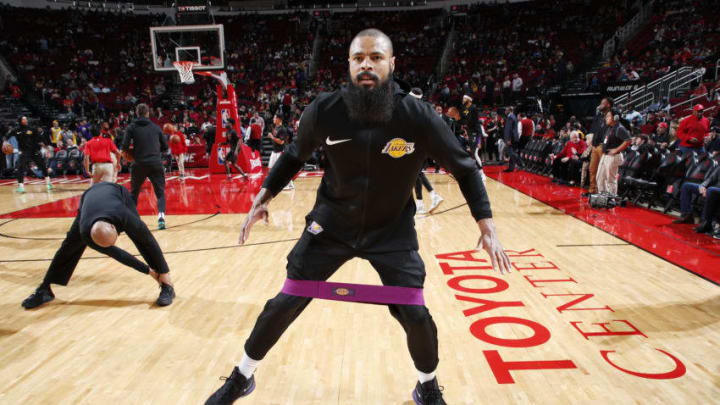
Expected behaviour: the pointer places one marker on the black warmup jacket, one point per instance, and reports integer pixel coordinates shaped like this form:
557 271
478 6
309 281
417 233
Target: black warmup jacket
28 140
365 197
114 203
148 141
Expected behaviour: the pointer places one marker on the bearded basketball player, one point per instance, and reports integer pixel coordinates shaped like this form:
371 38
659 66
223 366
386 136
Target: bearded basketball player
376 139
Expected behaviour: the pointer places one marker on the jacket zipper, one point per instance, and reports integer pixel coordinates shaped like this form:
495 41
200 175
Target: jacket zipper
365 191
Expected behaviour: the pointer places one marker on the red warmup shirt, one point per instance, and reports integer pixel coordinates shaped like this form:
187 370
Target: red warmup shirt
255 131
528 126
180 147
99 149
572 148
691 127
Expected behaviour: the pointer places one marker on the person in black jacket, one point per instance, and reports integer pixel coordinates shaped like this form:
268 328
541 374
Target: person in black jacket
30 143
105 211
376 139
149 143
469 118
511 136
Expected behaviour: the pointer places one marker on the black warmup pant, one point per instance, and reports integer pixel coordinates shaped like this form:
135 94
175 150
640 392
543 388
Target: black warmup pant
71 250
140 172
24 162
711 210
569 171
316 257
255 144
419 183
491 148
513 153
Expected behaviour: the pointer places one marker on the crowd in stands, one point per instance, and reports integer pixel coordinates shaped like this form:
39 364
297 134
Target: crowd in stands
681 33
87 63
503 53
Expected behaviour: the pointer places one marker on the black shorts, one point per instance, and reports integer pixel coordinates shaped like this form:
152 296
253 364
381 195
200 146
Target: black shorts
317 257
230 157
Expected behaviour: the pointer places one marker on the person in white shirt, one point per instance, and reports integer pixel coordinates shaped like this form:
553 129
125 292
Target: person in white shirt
517 86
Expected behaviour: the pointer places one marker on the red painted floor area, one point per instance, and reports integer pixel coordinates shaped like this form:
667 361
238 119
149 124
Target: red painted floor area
199 193
649 230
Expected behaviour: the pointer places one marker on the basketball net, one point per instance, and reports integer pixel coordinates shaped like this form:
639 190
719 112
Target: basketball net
185 69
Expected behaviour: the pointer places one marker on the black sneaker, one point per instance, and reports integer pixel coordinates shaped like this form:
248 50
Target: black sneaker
161 224
39 297
716 234
236 386
428 393
704 227
167 293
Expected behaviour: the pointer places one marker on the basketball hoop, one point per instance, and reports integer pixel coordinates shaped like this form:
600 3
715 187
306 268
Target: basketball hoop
185 69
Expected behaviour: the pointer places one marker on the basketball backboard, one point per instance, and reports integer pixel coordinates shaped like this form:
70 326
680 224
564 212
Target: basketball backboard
202 44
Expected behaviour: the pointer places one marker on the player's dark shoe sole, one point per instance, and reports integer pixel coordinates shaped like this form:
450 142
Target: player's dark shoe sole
167 293
236 386
39 297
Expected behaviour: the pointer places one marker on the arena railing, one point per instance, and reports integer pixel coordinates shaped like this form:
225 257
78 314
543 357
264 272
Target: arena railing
658 87
683 82
630 28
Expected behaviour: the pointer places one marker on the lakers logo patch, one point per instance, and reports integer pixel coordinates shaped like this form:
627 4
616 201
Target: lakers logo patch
314 228
344 292
398 148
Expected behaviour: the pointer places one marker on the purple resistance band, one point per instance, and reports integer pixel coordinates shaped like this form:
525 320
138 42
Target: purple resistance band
370 294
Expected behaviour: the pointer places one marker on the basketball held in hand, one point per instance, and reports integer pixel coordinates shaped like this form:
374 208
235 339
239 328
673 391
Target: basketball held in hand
174 139
128 155
7 148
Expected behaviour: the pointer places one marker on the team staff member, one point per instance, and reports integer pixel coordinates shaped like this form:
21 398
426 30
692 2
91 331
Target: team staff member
235 148
597 128
30 144
376 139
99 151
615 141
106 210
149 143
279 137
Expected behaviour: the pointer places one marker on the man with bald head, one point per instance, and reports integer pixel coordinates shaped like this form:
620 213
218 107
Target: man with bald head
106 210
376 138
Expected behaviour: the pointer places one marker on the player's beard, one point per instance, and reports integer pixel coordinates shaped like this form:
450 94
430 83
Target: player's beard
372 106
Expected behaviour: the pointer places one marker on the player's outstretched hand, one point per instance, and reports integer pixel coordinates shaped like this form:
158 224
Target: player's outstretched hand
256 214
490 242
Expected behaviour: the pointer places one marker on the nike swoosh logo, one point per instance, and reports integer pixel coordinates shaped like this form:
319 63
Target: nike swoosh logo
331 143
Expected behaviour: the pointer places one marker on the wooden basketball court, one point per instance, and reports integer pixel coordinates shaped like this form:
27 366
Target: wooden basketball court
586 318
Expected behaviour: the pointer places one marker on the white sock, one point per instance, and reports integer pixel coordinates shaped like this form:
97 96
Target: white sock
21 186
425 377
247 366
161 215
433 194
47 180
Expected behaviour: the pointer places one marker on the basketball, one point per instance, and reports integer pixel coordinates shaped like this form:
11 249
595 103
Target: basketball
174 139
168 128
128 155
453 113
7 148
